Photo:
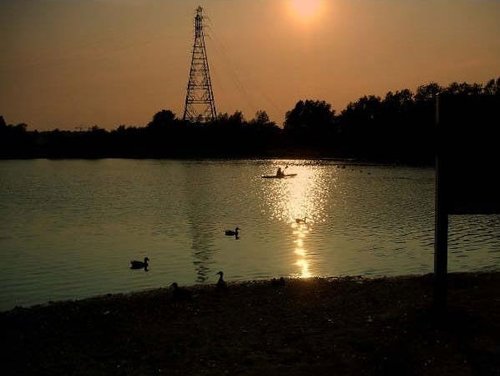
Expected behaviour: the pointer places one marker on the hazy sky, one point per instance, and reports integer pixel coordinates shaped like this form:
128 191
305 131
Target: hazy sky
71 63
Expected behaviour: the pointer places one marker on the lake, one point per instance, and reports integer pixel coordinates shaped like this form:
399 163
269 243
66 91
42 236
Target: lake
69 228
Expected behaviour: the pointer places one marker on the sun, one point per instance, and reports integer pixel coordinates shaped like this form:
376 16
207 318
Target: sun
306 10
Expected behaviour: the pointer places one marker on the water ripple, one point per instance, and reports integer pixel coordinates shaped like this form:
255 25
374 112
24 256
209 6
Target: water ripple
70 228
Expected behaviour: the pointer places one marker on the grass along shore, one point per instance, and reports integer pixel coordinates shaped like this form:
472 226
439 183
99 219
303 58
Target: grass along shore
320 326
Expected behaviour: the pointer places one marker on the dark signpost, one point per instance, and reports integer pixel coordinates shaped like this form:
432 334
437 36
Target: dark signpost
467 168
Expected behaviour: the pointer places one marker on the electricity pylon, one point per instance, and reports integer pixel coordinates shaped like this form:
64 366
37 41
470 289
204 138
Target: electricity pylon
200 103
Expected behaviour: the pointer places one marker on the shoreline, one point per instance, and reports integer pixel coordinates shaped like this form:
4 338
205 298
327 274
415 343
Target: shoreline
350 161
341 325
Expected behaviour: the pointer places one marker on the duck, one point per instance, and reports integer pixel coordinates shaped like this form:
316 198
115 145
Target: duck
301 220
231 232
179 293
278 282
134 264
221 284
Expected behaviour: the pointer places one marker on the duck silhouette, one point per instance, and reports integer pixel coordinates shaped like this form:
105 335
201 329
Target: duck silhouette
301 220
232 233
278 282
134 264
179 294
221 284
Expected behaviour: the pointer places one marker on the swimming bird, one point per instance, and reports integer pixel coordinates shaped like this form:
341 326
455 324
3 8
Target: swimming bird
221 284
179 294
301 220
231 232
134 264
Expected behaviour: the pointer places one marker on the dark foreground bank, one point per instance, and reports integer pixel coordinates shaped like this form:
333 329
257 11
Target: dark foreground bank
346 326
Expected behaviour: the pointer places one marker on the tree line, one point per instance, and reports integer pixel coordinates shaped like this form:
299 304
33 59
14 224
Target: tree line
400 127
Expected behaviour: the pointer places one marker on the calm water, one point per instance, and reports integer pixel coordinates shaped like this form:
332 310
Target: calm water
68 229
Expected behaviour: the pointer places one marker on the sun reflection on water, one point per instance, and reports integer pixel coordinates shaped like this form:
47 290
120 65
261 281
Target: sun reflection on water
299 202
300 231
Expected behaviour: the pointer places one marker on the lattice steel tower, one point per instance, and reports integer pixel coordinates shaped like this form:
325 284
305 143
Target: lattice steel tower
200 103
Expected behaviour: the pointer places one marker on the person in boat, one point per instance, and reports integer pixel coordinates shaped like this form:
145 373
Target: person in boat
280 173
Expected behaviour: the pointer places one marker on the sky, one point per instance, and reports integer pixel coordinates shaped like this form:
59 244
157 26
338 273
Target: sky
72 64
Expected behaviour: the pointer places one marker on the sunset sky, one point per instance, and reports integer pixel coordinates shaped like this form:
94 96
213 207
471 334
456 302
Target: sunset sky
78 63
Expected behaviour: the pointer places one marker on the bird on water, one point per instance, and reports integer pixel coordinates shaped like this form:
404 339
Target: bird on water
231 232
221 284
134 264
301 220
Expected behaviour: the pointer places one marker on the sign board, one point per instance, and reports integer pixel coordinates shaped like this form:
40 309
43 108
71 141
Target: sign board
469 153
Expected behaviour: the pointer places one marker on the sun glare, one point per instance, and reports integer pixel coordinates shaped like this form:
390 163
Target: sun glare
299 203
306 10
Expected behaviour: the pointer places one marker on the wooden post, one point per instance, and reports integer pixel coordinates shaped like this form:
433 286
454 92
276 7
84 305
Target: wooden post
441 223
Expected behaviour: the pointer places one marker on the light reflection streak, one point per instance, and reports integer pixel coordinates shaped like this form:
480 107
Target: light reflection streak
300 230
292 200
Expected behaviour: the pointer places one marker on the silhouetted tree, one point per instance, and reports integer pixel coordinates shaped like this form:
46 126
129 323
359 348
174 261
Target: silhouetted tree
399 127
492 87
399 102
311 123
360 126
261 118
463 88
395 125
162 119
237 119
427 92
15 141
308 116
221 117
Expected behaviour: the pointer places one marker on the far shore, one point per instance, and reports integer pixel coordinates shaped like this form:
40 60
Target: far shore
316 326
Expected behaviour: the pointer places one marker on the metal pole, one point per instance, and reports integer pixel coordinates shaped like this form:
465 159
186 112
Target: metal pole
441 222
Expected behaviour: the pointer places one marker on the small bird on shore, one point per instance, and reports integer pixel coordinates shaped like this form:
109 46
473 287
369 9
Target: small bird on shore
232 233
278 282
179 294
134 264
221 284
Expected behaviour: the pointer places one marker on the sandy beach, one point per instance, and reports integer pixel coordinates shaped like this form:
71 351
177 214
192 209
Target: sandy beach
318 326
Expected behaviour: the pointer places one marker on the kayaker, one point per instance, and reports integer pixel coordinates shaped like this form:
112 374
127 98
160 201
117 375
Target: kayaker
280 173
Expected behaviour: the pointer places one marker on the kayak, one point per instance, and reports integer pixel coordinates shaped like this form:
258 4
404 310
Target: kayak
279 177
